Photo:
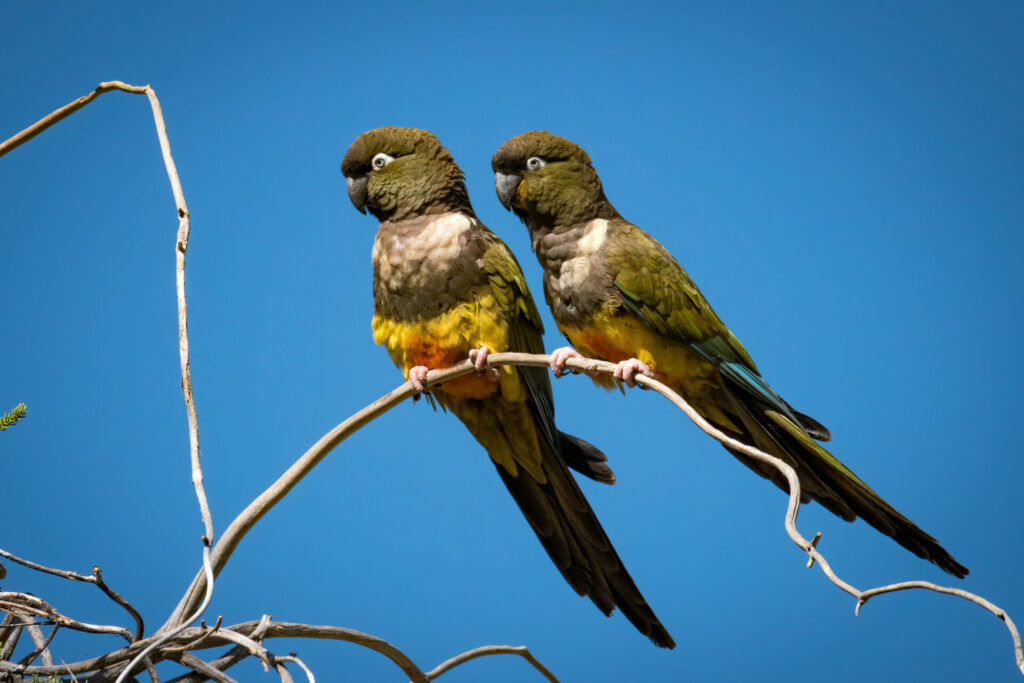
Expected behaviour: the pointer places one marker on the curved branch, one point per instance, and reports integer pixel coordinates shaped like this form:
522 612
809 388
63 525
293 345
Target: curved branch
165 636
96 578
240 526
24 604
299 663
181 246
486 650
217 638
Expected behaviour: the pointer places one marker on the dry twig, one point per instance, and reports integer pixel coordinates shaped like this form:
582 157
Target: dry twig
181 246
25 605
491 650
96 579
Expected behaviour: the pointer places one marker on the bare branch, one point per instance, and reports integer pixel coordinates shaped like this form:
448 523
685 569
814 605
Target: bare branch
225 661
217 639
196 664
241 524
63 573
254 648
245 520
180 248
291 630
166 636
22 604
42 645
65 111
151 670
521 650
8 637
298 662
183 352
96 578
282 671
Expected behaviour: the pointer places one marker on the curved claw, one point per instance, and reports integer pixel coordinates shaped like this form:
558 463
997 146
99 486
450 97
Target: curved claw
558 358
627 370
417 375
479 358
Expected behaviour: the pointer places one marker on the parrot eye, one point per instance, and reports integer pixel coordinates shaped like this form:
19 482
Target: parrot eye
534 163
381 160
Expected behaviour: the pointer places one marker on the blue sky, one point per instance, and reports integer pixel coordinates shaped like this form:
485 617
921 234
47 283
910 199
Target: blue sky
842 181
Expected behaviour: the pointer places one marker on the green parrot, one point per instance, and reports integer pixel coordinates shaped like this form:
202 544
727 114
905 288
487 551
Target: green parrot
617 294
444 288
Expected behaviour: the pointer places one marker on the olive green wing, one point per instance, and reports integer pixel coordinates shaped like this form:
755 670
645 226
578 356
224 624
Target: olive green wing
509 288
657 290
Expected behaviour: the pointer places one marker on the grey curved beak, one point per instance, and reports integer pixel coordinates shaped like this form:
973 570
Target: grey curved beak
506 184
357 191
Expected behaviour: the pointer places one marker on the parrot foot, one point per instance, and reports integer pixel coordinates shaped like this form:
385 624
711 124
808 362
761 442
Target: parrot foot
417 375
627 370
558 358
479 358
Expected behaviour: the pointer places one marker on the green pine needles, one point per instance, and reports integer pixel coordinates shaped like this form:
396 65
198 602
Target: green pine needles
8 420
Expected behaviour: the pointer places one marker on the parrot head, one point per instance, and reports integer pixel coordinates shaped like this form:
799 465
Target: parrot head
548 180
396 173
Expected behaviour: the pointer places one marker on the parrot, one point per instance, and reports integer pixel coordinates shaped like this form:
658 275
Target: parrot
618 295
444 288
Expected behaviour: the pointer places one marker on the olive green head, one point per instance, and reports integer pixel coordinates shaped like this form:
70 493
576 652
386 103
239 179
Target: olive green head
396 173
549 180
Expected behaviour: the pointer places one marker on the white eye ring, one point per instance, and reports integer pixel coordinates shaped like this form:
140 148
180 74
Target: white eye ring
533 163
381 160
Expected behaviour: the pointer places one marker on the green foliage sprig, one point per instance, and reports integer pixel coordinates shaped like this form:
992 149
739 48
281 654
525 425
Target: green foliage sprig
7 420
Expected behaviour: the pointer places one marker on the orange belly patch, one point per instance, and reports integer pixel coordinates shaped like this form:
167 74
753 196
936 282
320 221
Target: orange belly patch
620 338
423 350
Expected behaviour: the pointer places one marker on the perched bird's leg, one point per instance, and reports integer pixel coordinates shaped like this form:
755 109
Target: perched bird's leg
626 371
417 375
558 358
479 358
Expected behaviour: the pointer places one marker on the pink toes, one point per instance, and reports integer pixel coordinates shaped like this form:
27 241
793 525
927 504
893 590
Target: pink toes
417 375
558 358
479 358
627 370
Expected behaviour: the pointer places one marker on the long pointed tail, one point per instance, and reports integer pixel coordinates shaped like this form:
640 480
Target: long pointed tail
864 501
574 539
825 479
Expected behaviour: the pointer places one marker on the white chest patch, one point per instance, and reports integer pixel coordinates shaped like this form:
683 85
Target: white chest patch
431 248
576 270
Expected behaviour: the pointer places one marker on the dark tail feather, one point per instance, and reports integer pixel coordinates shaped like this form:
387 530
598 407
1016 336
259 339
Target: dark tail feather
859 496
586 459
572 536
770 424
751 421
814 428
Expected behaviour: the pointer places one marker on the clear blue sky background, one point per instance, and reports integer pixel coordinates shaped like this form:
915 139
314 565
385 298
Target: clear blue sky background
843 182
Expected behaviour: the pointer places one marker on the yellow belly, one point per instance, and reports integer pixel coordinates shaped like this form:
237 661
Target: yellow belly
621 337
496 413
446 339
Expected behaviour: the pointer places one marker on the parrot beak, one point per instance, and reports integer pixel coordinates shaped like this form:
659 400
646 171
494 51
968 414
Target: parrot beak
357 191
506 184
